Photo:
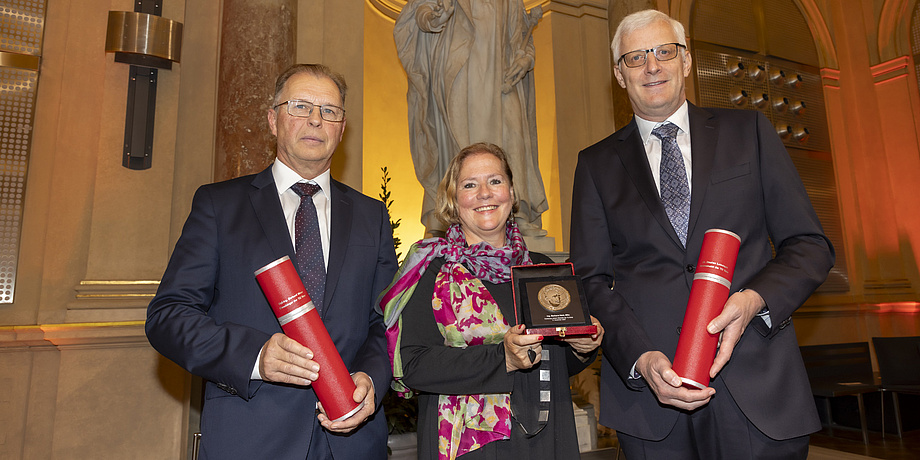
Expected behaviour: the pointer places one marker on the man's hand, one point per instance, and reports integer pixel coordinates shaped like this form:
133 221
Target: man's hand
665 383
738 312
287 361
364 392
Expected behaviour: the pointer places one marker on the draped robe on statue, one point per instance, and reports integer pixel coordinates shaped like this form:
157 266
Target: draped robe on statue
462 90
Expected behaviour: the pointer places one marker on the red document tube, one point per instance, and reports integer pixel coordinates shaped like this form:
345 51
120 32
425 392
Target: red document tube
300 321
712 281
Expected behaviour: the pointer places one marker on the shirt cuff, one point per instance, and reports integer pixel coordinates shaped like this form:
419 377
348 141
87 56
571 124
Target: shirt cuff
765 316
256 375
633 373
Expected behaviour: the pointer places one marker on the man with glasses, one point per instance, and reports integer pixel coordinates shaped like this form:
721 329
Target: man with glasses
210 316
643 199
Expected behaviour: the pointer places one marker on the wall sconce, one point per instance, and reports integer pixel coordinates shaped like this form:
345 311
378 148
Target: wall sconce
794 81
148 42
797 107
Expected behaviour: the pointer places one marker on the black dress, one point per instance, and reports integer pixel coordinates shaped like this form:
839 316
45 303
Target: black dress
431 368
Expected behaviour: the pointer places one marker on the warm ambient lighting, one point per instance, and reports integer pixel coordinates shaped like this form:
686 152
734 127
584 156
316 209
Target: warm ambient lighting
899 307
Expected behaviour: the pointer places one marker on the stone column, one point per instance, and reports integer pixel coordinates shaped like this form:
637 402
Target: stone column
257 43
573 68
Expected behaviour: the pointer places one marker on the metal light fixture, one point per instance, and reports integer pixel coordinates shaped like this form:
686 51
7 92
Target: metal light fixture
783 130
738 97
757 73
781 104
148 42
735 68
800 133
777 77
761 101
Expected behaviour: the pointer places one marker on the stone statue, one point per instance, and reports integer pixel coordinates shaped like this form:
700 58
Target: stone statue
469 66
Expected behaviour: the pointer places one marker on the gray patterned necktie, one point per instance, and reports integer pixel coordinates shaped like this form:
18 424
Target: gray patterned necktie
675 190
308 247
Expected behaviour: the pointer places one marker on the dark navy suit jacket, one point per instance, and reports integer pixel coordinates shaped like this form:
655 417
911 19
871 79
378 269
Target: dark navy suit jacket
743 181
210 316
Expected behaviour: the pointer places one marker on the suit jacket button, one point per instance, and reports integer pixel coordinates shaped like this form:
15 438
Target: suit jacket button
690 268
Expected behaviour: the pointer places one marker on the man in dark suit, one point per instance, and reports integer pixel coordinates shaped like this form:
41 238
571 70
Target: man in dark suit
643 199
210 316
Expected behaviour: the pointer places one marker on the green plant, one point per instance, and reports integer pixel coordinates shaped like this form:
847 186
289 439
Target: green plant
402 414
385 197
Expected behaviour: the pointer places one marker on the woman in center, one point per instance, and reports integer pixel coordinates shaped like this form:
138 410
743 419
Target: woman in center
486 390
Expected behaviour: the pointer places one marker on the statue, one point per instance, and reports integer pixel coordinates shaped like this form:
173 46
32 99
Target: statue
469 66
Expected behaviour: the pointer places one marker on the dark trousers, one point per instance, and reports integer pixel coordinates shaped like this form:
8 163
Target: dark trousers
319 445
718 430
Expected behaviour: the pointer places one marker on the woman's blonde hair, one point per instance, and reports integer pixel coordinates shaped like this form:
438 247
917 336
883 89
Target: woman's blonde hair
446 209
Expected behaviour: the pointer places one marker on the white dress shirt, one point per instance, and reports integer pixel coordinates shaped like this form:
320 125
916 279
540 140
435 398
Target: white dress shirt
652 144
285 177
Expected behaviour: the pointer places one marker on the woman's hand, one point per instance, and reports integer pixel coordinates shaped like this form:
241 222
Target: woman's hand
584 345
517 346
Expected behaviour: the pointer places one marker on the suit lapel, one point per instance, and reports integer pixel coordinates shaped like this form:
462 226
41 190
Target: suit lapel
342 214
635 161
704 137
267 207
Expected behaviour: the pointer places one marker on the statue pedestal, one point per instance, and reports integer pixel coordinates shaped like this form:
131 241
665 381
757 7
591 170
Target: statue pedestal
544 244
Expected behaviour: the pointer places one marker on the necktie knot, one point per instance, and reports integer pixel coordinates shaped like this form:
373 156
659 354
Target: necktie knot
665 131
303 189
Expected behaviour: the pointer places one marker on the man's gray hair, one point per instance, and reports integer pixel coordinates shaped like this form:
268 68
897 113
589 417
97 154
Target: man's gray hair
316 70
639 20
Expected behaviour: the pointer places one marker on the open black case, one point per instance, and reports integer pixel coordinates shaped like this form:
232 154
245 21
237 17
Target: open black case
550 300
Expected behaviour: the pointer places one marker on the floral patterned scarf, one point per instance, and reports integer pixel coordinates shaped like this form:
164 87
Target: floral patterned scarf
466 315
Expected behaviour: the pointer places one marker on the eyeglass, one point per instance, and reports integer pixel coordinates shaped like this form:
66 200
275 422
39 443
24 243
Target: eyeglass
303 109
664 52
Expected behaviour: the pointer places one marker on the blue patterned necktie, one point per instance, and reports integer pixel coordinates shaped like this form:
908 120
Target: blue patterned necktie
675 190
308 246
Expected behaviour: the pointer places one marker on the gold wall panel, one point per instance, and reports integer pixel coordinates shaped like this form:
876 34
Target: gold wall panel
21 25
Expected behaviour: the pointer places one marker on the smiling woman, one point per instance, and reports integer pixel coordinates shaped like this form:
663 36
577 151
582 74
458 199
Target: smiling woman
479 192
456 344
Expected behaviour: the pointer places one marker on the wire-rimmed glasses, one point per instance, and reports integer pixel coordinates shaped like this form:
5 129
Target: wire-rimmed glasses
638 58
303 109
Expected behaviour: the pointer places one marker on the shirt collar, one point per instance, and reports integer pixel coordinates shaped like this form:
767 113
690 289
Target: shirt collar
285 177
680 117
